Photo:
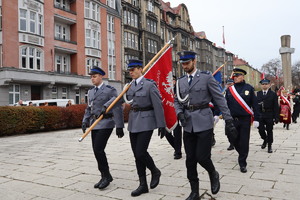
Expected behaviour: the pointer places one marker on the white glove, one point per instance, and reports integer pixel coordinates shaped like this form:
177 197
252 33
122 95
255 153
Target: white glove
256 124
216 119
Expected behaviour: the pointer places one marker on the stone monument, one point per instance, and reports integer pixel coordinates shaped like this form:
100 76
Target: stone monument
286 52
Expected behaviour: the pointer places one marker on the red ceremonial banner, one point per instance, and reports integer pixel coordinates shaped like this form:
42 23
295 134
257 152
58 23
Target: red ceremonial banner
161 73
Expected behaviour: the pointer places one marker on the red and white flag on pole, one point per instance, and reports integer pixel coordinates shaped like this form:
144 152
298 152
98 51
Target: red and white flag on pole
223 36
161 73
262 76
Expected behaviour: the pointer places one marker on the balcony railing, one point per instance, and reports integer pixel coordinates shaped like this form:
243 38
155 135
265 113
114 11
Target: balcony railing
65 40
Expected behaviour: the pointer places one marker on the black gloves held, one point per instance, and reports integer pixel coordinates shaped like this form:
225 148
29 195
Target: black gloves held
231 131
182 119
83 127
276 120
119 132
162 132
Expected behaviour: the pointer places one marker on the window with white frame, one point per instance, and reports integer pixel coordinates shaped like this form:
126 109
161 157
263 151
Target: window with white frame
151 25
92 10
92 38
30 21
131 40
152 46
111 47
150 6
54 92
135 3
64 92
162 33
62 31
0 18
77 97
31 58
111 3
130 18
63 4
62 63
14 93
90 63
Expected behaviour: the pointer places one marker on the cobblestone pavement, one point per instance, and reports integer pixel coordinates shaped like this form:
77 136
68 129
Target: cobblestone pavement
54 165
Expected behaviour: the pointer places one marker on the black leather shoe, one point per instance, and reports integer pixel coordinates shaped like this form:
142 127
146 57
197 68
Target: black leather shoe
140 190
264 144
231 147
177 156
155 178
243 169
287 127
214 182
105 182
143 187
193 196
270 149
97 184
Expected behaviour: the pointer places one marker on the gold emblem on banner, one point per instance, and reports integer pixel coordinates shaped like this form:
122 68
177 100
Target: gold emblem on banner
247 92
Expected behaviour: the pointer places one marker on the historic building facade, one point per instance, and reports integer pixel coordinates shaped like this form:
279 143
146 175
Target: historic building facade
48 47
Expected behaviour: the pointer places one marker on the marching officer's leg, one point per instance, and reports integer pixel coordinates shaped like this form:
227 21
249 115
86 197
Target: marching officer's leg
244 143
141 167
177 142
99 141
269 128
203 154
262 132
190 144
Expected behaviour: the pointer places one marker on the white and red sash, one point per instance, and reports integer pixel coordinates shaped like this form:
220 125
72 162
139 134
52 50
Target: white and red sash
286 101
241 101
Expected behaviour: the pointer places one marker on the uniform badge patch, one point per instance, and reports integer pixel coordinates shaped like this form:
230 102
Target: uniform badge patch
247 92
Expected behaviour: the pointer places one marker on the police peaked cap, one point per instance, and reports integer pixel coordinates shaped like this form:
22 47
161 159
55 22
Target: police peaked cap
132 63
186 56
238 71
97 70
264 81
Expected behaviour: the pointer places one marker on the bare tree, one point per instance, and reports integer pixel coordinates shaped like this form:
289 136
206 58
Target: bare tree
272 68
296 74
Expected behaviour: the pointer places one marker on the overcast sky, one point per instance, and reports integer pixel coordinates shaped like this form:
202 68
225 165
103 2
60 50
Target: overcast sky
252 27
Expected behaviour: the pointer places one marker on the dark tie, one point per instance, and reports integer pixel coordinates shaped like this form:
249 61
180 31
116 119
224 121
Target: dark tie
191 79
96 89
135 83
264 93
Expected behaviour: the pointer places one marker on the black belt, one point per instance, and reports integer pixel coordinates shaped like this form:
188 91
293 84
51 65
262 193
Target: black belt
105 116
196 107
267 110
241 117
137 109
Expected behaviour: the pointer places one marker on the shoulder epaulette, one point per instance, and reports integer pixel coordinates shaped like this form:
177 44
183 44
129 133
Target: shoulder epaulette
181 77
91 87
110 87
205 72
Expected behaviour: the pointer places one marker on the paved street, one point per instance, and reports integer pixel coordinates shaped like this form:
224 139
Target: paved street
54 165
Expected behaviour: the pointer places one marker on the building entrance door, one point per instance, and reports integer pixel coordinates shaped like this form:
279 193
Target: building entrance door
35 92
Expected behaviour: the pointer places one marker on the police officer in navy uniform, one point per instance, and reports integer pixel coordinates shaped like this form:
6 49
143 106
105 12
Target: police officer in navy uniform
175 140
194 92
269 109
242 119
99 98
146 114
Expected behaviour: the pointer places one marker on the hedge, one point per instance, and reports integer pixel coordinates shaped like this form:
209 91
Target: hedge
25 119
